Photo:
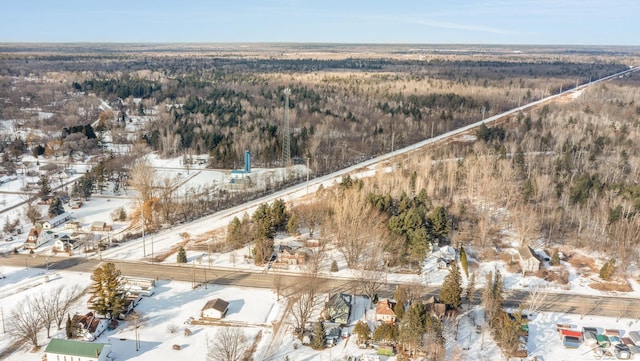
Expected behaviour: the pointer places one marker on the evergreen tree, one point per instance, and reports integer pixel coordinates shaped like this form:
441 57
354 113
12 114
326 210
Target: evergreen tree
555 258
362 330
107 290
262 251
182 255
470 290
279 214
386 332
463 261
263 223
69 327
608 269
334 266
318 336
451 292
292 225
399 309
55 208
439 222
412 328
234 233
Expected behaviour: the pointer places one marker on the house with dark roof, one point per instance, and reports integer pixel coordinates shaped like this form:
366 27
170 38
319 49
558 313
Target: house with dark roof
60 349
338 308
216 308
88 326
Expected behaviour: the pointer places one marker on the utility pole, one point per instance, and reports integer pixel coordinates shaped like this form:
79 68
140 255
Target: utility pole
205 277
193 266
308 175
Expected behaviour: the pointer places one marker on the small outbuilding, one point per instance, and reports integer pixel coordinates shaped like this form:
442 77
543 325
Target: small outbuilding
216 308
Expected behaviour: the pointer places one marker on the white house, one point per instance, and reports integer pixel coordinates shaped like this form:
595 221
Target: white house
57 220
215 308
60 349
37 237
65 243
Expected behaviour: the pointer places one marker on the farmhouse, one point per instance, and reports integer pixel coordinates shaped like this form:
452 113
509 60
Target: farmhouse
290 257
36 238
529 261
215 308
384 311
59 349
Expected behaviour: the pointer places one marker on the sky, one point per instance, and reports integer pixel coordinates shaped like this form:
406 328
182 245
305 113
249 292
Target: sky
562 22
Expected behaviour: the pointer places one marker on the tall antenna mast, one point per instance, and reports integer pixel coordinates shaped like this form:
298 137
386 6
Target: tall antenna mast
286 143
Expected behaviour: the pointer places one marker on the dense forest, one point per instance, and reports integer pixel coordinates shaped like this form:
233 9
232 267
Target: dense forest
343 109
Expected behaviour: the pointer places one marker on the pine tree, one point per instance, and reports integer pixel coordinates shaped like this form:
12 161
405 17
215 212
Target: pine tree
318 336
463 261
334 266
362 330
68 328
439 222
470 290
279 214
413 326
555 258
292 225
399 309
107 290
608 269
451 292
182 255
386 332
55 208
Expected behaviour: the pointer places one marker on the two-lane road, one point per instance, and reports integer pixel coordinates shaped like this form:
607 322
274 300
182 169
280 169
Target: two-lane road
611 306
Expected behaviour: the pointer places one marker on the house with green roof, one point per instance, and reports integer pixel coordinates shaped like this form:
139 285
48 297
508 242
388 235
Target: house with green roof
71 350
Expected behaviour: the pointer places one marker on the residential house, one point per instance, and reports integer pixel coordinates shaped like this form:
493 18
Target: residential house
384 311
338 308
529 261
216 308
72 350
90 326
72 225
100 226
65 243
36 238
291 257
56 221
437 308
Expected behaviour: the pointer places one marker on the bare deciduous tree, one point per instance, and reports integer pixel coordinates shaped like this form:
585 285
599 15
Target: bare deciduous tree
229 344
303 300
63 298
25 322
356 226
536 299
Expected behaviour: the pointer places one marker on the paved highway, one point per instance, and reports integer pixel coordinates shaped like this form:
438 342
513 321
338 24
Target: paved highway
611 306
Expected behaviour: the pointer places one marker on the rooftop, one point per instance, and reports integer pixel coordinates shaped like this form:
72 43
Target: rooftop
74 348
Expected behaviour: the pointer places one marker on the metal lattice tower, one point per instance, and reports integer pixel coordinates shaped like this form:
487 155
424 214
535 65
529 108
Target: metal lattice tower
286 142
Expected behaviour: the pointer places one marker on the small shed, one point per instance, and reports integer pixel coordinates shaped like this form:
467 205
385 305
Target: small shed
635 337
590 338
570 342
627 341
216 308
